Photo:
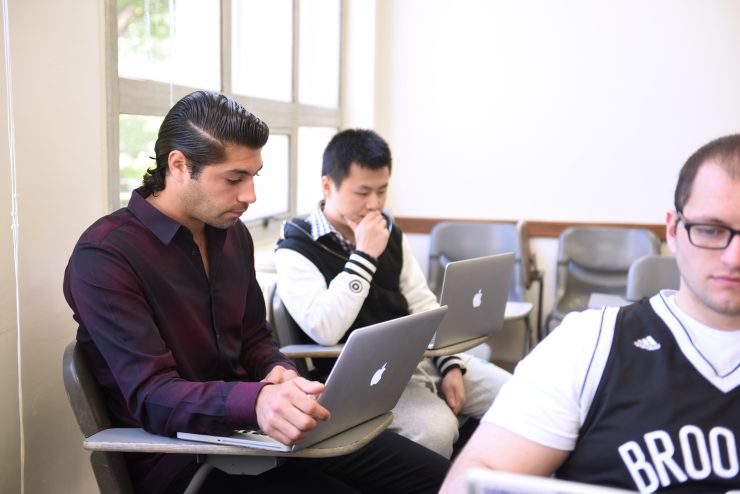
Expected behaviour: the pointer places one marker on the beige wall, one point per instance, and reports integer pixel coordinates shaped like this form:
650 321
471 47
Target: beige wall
9 413
59 115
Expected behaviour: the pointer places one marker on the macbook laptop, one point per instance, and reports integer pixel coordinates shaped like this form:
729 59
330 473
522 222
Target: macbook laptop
482 481
367 380
475 290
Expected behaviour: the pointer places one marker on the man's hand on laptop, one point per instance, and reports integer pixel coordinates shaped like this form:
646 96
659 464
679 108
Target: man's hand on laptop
288 410
453 390
280 374
371 233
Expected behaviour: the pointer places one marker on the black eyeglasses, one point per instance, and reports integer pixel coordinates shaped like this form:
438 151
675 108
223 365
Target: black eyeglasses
708 235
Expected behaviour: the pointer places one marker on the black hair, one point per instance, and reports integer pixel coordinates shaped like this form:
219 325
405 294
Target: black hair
200 125
361 146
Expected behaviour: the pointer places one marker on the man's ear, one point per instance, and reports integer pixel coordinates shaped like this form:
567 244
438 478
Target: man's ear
177 163
671 223
327 186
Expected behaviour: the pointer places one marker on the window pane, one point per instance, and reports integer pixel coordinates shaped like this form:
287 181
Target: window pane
271 186
137 136
311 144
319 53
187 54
262 48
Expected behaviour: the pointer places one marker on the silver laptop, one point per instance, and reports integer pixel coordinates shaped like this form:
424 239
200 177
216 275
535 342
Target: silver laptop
475 290
482 481
366 381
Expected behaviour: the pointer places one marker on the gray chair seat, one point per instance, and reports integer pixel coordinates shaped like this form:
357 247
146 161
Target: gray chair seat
595 260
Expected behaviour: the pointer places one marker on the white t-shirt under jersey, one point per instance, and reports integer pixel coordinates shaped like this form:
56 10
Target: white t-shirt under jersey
549 396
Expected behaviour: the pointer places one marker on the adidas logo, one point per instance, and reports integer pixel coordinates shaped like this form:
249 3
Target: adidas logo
648 343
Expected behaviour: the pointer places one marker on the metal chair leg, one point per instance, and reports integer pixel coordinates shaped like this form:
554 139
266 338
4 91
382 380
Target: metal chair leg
200 476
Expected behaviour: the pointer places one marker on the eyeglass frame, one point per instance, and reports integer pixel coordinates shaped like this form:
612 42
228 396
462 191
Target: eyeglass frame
689 225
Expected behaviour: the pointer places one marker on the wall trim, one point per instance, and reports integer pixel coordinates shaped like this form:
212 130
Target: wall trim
547 229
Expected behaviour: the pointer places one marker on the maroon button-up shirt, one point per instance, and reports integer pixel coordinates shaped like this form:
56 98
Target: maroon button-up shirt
172 349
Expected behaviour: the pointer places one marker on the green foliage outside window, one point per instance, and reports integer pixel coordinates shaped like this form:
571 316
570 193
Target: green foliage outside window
143 29
138 134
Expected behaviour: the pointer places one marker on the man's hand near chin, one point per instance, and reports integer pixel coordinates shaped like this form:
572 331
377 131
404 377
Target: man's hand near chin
371 233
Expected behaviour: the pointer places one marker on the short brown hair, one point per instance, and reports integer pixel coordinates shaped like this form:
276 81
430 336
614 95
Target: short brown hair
726 150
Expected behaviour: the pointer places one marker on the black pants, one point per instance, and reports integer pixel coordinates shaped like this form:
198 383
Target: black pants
390 463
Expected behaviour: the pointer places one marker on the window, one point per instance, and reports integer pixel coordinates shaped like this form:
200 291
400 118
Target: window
311 144
136 143
266 45
279 58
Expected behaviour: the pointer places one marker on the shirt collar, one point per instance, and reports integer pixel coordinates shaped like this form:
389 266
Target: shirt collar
321 226
161 225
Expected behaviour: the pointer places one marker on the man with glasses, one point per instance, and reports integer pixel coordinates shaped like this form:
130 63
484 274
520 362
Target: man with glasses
646 396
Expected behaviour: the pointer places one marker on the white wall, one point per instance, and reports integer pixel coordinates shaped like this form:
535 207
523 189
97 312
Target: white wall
358 66
59 116
567 110
570 110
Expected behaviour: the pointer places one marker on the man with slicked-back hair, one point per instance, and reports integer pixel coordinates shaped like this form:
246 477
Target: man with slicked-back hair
172 320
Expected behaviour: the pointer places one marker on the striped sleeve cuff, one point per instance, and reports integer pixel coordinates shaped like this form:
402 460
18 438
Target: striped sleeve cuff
362 265
446 363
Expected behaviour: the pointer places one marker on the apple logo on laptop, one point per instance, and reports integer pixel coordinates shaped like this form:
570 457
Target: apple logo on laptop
378 375
478 298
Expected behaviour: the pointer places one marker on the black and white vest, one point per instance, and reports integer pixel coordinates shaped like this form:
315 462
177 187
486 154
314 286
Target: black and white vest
384 301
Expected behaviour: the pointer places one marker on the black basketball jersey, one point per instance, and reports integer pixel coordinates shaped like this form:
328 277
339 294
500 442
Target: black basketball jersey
656 423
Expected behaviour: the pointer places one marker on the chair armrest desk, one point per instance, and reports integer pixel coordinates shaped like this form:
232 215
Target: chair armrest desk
231 459
514 311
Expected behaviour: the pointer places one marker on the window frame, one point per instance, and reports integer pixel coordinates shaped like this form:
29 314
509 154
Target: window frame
147 97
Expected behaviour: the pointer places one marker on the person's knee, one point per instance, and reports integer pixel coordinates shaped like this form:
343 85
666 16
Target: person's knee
425 418
443 438
483 381
434 427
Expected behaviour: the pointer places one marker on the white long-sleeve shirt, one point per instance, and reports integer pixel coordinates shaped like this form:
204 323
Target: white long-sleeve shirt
326 312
